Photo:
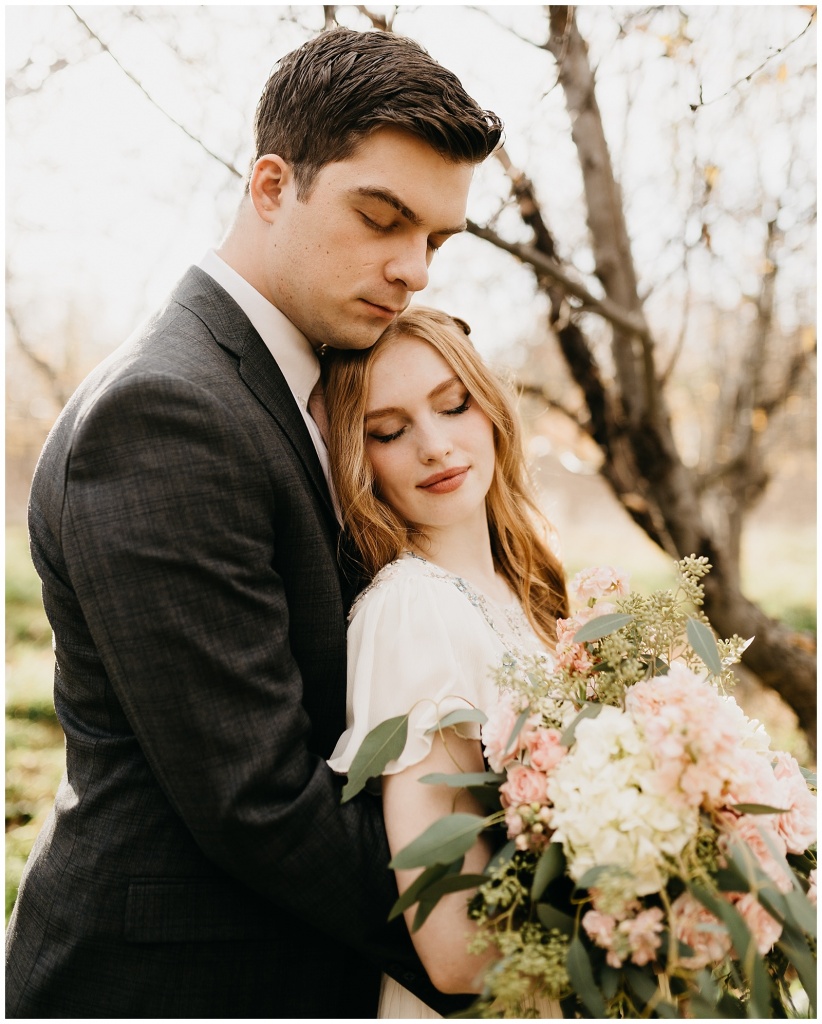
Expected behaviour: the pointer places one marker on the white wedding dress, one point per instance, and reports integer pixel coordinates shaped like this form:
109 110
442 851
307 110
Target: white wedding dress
421 638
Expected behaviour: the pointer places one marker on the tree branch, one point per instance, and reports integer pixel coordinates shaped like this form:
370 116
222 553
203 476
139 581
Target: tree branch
105 48
606 308
746 78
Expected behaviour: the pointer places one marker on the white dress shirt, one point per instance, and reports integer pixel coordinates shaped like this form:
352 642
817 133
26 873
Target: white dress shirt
292 350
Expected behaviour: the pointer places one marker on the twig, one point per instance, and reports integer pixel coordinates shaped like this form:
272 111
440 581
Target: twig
746 78
104 47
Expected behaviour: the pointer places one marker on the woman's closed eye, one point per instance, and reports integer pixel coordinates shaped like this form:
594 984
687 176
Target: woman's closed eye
463 407
385 438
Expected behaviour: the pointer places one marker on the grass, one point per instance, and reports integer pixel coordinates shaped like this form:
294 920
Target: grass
780 570
34 740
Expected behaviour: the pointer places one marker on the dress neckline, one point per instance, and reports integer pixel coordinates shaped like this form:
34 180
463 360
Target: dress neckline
511 606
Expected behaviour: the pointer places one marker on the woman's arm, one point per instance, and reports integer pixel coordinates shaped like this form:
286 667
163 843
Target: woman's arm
410 807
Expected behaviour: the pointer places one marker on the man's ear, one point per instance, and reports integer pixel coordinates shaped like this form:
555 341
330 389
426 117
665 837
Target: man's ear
270 176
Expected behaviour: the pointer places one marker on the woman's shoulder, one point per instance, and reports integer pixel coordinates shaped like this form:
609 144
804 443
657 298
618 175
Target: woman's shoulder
409 571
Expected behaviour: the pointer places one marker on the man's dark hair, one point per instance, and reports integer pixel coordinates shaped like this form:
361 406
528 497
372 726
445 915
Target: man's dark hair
324 98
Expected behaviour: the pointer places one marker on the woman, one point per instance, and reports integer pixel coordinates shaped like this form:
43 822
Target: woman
430 476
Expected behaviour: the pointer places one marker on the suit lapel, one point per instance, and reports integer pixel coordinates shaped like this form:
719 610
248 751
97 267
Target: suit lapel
258 369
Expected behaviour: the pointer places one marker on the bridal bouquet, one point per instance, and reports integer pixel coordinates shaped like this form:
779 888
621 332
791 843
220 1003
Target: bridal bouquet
657 859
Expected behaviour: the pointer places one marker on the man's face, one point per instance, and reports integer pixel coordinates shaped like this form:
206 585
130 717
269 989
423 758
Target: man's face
345 261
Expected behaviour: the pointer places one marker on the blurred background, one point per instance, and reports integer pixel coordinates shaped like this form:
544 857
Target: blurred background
640 262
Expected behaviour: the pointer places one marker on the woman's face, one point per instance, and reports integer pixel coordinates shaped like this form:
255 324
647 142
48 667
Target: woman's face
430 445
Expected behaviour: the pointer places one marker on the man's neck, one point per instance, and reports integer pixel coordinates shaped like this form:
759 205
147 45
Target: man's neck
241 249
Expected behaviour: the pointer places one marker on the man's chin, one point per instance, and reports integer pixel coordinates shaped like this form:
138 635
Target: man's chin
355 342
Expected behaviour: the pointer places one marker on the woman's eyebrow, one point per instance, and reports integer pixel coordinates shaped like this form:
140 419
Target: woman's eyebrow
390 410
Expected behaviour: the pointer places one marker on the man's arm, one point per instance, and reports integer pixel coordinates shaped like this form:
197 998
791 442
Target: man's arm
168 534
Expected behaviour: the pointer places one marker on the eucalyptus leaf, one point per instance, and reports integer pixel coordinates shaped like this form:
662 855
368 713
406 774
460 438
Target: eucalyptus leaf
701 638
610 979
520 722
745 946
383 744
647 989
592 875
458 717
730 880
442 842
550 865
421 883
809 776
744 858
463 779
801 914
758 809
804 961
432 895
579 969
550 917
602 625
589 711
501 857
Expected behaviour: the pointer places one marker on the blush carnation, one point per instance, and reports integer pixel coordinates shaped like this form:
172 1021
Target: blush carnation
496 735
599 581
643 934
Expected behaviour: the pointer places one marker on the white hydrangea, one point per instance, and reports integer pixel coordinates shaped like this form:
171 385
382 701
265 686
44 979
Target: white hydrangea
605 810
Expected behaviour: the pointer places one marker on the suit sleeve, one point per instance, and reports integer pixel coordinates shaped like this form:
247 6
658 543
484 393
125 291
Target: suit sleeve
168 532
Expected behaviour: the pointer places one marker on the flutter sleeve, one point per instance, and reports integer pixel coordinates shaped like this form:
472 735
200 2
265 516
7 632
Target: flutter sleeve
415 644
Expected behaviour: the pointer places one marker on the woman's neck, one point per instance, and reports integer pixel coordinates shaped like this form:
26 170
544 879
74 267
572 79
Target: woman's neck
465 553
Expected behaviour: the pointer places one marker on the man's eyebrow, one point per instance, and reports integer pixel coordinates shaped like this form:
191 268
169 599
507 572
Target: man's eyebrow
375 414
385 195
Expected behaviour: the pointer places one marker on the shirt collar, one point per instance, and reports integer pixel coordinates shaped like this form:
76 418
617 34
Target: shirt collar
292 350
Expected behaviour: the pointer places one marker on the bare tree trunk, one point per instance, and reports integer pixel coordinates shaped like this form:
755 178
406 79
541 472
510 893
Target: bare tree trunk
633 425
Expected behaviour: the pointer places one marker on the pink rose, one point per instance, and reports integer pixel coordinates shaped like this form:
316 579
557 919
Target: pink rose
545 750
697 927
752 829
763 927
798 826
523 786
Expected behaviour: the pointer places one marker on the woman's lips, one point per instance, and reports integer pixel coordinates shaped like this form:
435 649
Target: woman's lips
443 483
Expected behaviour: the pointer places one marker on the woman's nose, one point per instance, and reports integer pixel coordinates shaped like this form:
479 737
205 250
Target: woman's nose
435 444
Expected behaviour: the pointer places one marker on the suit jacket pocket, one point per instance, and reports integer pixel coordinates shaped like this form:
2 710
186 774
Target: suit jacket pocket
194 910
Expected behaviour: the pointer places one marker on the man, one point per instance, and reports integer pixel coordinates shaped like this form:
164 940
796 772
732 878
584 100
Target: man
198 862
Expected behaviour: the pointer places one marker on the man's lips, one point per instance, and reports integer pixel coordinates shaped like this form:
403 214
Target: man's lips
389 312
447 480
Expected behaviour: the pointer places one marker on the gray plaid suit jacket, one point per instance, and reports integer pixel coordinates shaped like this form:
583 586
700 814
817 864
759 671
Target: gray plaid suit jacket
197 862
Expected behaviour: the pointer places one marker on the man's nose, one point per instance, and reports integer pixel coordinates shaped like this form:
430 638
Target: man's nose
410 265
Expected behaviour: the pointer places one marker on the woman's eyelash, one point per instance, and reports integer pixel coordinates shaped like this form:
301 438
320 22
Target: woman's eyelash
456 411
466 404
385 438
